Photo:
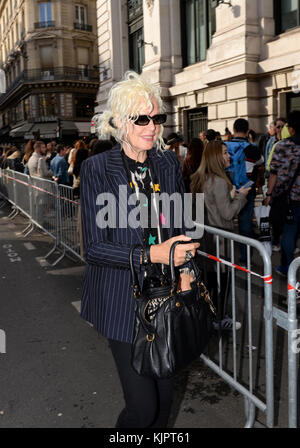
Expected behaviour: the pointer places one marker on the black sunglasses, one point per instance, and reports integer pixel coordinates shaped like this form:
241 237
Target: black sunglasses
144 120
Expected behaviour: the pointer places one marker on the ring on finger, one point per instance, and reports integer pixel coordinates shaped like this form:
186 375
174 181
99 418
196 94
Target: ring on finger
188 255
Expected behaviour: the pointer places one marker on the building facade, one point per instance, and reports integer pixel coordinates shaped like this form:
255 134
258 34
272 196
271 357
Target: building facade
214 61
49 57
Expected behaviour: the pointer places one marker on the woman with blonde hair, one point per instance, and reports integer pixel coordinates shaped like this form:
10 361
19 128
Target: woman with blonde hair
134 117
222 204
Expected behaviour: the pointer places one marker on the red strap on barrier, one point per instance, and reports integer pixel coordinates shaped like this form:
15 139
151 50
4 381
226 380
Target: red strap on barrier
267 279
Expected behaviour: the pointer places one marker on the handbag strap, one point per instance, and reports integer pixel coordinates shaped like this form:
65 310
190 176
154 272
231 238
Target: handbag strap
135 280
174 284
172 267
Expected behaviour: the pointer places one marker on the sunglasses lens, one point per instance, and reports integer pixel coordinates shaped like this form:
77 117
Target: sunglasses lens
159 119
144 120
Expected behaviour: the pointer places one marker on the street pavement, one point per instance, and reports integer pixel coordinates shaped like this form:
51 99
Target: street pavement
58 372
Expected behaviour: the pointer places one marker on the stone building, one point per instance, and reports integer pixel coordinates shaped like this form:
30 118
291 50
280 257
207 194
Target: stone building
49 58
214 60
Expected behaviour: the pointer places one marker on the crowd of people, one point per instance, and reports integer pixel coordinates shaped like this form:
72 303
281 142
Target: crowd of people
52 160
269 161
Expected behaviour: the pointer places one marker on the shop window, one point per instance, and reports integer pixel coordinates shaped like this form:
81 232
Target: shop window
84 106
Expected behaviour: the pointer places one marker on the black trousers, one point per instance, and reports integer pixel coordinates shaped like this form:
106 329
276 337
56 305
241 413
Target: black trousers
147 401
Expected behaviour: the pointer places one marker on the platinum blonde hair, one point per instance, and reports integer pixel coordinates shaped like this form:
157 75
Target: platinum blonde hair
123 105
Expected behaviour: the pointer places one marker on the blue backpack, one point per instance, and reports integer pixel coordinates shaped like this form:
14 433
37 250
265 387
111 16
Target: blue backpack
237 169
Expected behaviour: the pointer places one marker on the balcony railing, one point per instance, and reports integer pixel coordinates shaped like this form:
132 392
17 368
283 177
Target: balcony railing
83 27
51 74
45 24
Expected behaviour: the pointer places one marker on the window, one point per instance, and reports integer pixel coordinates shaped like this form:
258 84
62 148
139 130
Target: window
80 14
198 24
84 106
45 12
48 105
197 122
286 14
293 102
136 35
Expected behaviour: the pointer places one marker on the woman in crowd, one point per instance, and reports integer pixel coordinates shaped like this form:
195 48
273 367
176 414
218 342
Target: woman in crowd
80 155
192 161
134 117
222 202
28 151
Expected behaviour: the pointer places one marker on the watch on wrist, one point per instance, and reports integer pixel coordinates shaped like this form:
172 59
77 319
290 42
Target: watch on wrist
268 194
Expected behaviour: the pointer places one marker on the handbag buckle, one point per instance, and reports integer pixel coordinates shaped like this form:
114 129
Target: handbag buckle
150 338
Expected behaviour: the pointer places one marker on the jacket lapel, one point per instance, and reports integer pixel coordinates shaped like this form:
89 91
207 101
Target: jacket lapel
116 177
164 171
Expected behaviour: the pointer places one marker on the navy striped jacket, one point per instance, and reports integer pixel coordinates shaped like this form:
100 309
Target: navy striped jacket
107 300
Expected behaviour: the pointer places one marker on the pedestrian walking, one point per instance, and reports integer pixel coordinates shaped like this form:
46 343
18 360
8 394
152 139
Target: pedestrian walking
134 117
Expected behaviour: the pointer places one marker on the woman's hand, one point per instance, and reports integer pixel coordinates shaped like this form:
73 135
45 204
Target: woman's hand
185 281
160 253
244 190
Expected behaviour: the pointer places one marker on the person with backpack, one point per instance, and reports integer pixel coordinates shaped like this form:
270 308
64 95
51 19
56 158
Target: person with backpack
244 158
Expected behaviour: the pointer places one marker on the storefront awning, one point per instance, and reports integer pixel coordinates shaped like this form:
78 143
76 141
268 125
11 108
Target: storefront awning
68 128
83 127
47 130
5 131
20 131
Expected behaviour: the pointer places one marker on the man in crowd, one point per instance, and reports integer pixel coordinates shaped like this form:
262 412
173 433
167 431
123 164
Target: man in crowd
285 162
175 141
59 166
244 158
278 126
37 165
263 140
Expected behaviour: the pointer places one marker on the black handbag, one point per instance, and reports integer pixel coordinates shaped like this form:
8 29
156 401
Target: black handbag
171 328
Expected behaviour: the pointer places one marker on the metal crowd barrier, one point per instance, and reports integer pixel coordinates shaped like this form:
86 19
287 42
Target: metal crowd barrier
288 321
243 385
48 206
70 222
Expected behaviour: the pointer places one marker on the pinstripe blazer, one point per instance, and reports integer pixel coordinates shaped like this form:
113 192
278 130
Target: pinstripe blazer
107 300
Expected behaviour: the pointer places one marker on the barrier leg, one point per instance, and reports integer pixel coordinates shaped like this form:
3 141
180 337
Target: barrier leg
250 413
